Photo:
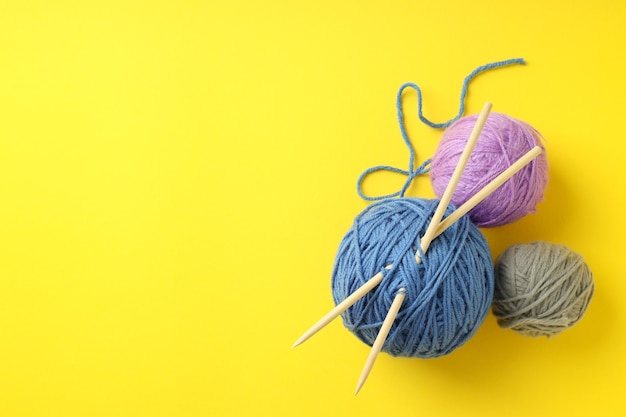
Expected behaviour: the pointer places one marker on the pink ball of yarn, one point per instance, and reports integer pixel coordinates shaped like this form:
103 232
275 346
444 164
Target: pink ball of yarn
502 141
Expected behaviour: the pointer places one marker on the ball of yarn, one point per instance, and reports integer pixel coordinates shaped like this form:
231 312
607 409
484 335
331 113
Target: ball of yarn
541 288
447 295
502 141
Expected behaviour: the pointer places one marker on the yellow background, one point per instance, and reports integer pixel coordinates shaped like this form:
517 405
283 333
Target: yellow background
175 177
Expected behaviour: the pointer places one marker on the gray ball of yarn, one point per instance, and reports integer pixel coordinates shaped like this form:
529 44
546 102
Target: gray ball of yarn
541 288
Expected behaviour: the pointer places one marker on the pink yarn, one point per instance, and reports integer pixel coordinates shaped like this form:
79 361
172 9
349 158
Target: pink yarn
503 140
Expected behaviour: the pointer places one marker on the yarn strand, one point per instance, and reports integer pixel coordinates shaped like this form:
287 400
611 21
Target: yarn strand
424 168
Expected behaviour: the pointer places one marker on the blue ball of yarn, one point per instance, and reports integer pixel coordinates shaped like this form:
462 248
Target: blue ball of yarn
448 295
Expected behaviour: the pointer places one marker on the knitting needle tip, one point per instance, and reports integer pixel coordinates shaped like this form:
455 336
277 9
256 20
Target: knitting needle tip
380 339
341 307
298 342
359 385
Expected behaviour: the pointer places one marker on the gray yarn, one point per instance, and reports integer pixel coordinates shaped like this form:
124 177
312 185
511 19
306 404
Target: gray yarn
541 288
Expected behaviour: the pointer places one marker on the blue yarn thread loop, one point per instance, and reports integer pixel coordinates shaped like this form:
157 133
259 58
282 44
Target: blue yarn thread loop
412 173
466 82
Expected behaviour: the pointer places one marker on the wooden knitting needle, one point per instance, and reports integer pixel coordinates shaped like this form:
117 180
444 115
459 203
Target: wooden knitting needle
425 241
341 307
447 222
376 279
430 233
488 189
380 339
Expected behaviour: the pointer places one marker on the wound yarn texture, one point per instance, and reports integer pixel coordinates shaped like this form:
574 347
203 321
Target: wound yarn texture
447 296
541 288
502 141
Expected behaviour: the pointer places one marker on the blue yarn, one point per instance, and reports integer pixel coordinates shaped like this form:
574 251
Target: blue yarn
466 82
448 295
411 173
